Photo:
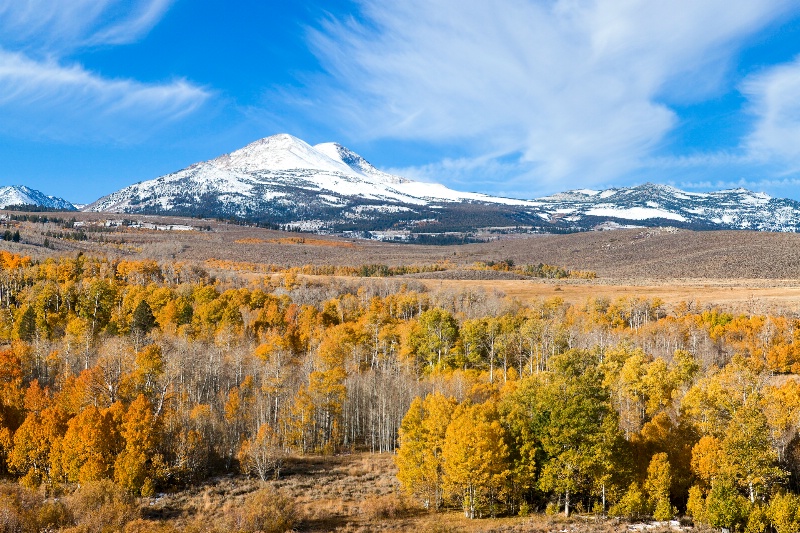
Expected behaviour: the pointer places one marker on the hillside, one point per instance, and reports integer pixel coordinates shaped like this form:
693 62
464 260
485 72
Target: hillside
651 253
284 182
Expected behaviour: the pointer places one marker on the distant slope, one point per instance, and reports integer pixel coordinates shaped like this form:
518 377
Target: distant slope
730 209
330 189
650 255
22 195
656 253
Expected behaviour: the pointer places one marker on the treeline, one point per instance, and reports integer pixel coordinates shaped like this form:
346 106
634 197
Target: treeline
540 270
363 271
156 376
34 208
42 219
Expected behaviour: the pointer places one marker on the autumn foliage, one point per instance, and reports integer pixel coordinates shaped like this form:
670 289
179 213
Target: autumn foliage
140 377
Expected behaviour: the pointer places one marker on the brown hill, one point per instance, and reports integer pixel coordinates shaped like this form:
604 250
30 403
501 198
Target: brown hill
637 254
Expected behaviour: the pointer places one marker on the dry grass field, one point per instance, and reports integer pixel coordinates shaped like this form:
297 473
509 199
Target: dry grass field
641 254
745 271
744 296
347 493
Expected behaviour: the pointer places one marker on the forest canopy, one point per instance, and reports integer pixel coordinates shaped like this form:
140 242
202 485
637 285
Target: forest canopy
156 376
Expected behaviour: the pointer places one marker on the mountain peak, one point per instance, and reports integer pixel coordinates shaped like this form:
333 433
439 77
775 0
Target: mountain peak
279 152
357 163
24 195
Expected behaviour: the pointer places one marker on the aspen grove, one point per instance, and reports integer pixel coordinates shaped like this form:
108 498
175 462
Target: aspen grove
156 376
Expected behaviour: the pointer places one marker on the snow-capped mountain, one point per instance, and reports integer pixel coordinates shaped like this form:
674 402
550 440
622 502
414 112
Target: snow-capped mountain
283 180
22 195
649 203
280 175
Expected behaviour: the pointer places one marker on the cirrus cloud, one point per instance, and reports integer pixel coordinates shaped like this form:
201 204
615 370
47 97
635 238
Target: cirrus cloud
45 95
773 95
59 26
575 90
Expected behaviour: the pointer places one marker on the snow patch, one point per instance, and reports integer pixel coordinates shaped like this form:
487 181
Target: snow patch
634 213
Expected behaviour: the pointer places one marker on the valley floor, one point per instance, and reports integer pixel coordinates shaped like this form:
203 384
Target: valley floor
349 493
750 296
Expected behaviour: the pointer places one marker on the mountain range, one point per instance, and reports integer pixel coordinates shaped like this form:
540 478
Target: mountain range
283 181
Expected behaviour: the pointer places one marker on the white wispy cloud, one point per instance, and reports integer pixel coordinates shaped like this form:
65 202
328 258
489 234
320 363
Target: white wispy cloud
774 95
578 90
59 26
780 185
50 99
45 94
462 171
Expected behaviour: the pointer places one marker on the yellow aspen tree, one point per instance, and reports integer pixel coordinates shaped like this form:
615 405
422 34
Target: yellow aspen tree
433 337
89 446
579 430
11 401
419 458
784 513
149 368
302 422
633 503
748 455
475 458
326 384
707 459
263 454
34 444
239 413
781 406
657 484
661 434
696 504
131 468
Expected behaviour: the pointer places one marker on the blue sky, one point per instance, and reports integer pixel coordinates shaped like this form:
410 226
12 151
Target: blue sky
520 97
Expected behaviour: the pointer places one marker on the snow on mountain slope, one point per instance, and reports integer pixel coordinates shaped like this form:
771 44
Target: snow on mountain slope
276 167
279 152
282 179
634 213
728 209
22 195
357 163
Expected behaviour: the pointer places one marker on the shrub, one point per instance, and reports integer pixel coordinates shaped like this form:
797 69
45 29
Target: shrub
23 511
149 526
725 507
12 516
265 511
101 506
758 520
664 510
387 506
